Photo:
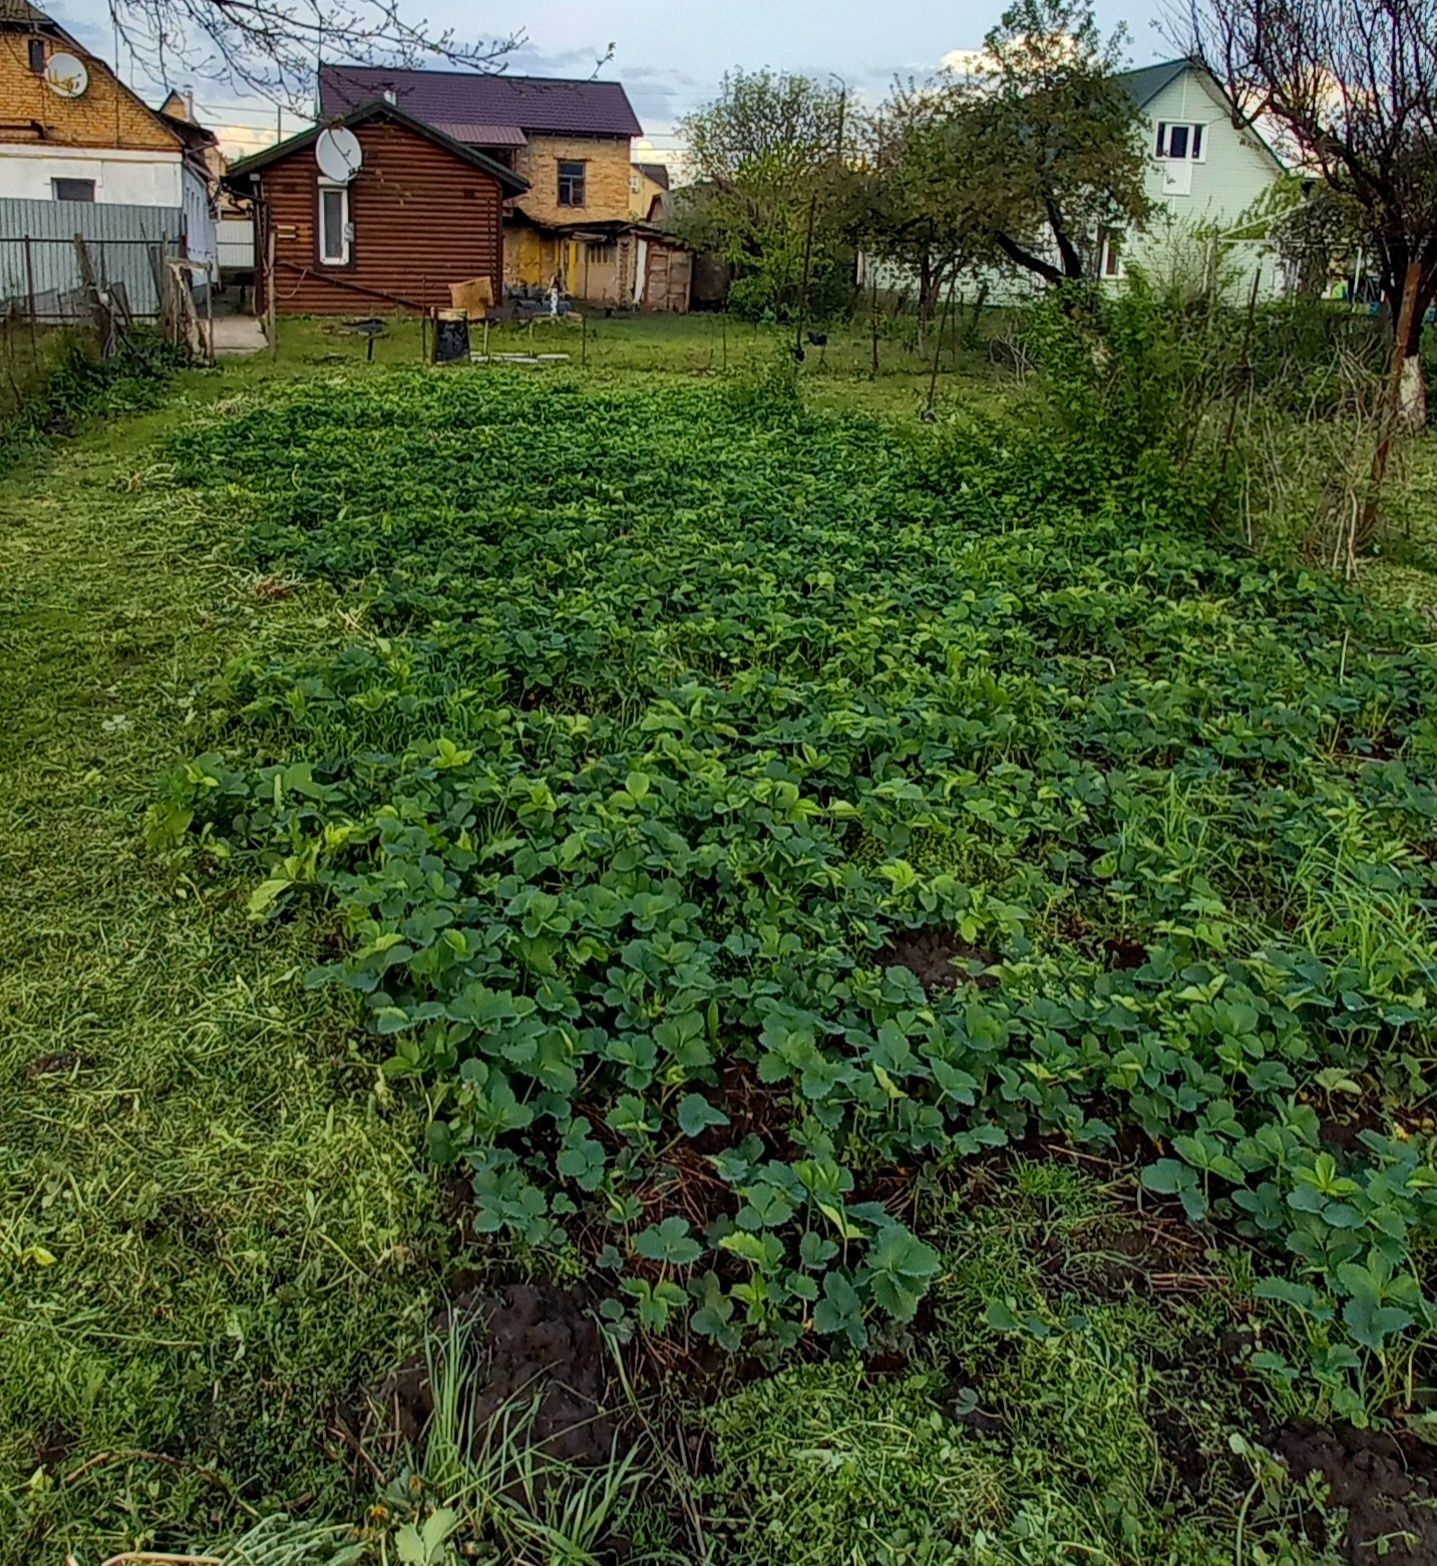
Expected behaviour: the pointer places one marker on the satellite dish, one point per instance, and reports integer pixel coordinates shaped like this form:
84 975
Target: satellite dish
338 154
66 75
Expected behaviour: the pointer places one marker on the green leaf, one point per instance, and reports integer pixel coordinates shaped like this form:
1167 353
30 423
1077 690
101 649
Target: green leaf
695 1113
669 1242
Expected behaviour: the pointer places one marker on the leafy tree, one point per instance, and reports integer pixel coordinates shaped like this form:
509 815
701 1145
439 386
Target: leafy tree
914 210
1047 141
1355 89
772 188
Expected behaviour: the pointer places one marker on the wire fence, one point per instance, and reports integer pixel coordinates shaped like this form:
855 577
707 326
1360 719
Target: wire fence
42 276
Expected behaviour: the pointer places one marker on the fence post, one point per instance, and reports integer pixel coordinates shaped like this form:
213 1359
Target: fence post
98 311
269 290
30 291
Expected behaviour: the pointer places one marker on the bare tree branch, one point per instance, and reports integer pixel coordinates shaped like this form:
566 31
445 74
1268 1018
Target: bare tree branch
274 47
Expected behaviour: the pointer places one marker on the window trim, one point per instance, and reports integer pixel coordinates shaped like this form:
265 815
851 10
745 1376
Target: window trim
1197 141
346 257
1110 251
582 164
66 179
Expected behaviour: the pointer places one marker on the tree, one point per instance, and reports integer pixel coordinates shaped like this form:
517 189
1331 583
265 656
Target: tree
914 206
1355 89
773 189
273 46
1047 142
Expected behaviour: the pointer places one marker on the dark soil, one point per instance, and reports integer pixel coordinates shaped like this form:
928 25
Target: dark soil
1343 1128
1385 1488
938 960
528 1340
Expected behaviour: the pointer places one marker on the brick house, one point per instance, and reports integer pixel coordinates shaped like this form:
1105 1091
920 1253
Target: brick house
568 140
85 136
422 212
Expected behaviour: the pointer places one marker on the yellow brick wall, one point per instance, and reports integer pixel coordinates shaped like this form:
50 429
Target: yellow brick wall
642 199
107 114
606 185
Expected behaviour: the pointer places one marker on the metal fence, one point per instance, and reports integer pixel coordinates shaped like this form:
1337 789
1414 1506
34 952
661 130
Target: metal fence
236 244
40 275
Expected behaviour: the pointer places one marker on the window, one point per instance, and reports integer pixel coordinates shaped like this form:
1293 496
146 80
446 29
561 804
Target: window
571 184
335 230
1110 252
73 189
1180 142
37 55
605 254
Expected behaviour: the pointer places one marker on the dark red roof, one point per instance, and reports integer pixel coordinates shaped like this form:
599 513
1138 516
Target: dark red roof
529 103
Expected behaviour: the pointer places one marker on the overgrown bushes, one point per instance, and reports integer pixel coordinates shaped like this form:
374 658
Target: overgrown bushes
70 382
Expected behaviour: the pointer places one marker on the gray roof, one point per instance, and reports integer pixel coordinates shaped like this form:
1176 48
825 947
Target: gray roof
1145 83
658 172
23 12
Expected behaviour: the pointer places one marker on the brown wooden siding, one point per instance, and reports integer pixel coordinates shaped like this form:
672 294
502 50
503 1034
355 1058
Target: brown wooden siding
423 218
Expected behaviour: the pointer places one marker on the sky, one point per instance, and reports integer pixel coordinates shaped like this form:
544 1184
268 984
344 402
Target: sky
670 55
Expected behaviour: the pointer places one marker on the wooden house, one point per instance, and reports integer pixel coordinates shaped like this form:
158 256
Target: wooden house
422 211
570 141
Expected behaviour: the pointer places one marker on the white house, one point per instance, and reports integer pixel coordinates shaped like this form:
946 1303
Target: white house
70 130
1203 174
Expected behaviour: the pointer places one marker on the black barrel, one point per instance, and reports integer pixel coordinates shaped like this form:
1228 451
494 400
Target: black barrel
451 336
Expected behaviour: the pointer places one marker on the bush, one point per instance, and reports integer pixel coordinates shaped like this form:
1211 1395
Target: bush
82 385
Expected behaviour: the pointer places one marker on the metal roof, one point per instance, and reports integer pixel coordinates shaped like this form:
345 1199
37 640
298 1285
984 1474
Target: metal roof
22 11
483 135
530 103
1145 83
379 109
658 172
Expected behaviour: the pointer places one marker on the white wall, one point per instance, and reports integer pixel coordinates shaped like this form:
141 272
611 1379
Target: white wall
1234 170
199 219
144 179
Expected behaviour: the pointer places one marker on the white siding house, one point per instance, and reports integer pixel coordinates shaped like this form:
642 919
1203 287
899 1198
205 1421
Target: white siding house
72 132
1203 174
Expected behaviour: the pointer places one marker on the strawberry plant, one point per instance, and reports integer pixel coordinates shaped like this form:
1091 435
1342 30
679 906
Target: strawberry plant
669 722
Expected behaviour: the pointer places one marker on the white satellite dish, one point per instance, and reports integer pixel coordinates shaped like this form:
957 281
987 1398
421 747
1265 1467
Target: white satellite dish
66 75
338 154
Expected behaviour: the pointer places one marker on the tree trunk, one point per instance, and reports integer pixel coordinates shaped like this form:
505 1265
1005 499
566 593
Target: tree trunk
1412 405
930 290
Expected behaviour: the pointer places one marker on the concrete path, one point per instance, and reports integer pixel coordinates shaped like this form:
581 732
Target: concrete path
237 334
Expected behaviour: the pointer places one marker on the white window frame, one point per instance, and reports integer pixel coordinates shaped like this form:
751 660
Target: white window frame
1107 255
346 227
1197 132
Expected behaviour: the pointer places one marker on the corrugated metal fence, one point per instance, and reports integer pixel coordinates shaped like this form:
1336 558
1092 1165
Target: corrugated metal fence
236 244
39 268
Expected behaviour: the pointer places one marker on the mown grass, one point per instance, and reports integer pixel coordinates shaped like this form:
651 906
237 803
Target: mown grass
837 374
213 1220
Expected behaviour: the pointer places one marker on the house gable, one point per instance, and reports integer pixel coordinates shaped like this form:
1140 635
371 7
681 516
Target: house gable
1235 169
107 114
424 212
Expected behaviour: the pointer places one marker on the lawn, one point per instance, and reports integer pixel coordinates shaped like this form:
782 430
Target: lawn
929 946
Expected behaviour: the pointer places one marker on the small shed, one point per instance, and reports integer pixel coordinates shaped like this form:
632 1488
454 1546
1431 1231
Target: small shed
633 266
422 211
